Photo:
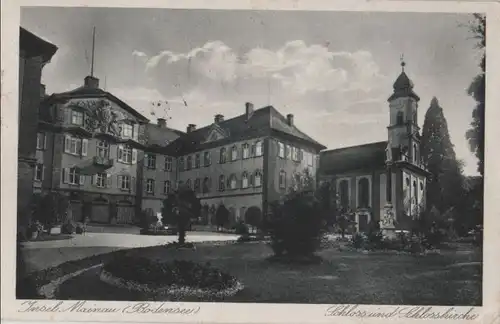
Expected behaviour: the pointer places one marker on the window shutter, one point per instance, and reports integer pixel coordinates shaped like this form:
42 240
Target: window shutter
67 143
136 132
108 180
120 153
93 180
134 156
43 172
65 175
78 147
67 115
119 181
85 145
132 184
44 141
82 179
253 151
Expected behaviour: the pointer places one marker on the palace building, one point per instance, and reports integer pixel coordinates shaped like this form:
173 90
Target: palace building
369 179
114 164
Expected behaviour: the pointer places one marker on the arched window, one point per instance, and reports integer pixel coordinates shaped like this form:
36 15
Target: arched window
258 179
415 153
399 118
222 157
233 182
207 159
188 183
344 193
234 153
415 191
222 183
245 151
363 193
244 180
282 179
197 185
189 162
206 185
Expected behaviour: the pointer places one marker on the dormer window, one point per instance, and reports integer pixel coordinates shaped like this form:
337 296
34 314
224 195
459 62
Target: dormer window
77 117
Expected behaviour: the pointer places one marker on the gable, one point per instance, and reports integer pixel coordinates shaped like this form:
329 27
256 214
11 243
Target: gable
216 133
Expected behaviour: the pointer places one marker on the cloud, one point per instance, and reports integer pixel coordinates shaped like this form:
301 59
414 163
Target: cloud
139 54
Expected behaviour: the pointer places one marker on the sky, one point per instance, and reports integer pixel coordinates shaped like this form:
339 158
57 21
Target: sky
333 70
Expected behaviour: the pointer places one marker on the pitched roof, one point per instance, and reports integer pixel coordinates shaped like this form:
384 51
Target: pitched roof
403 87
261 123
92 92
353 158
158 137
35 46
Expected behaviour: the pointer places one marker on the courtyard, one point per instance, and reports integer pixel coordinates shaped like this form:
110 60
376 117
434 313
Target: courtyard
452 277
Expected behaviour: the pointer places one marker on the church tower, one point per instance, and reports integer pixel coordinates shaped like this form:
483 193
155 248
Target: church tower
403 129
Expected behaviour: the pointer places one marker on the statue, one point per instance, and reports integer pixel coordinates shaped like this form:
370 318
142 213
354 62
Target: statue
388 152
160 217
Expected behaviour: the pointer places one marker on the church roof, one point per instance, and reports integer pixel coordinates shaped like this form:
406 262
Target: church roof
403 87
366 156
33 45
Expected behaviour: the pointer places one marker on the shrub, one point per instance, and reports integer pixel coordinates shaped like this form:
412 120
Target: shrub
297 225
241 228
79 229
68 228
179 273
359 241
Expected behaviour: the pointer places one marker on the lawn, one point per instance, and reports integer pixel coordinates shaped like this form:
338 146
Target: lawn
453 278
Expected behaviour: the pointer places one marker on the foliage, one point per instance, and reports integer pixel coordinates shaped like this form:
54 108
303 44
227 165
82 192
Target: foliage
51 208
253 217
148 217
180 273
68 228
297 224
241 228
344 220
221 216
446 188
475 134
179 208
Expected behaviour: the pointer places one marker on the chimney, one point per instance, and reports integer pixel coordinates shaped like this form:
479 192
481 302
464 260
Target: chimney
218 118
91 82
162 122
289 119
43 92
248 110
190 128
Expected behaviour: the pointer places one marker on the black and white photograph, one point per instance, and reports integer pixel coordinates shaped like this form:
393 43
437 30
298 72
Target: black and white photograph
250 156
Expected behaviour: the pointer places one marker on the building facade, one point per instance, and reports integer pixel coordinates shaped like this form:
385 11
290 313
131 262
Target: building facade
34 53
368 179
114 164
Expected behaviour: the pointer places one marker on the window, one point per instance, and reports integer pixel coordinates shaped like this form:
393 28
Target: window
234 153
281 150
244 180
363 193
222 157
168 163
75 145
258 148
295 154
181 164
258 179
77 117
197 161
38 172
166 187
415 192
233 182
127 131
126 154
102 149
415 153
288 152
245 151
282 179
222 183
197 185
100 180
206 185
150 186
188 183
151 161
72 176
207 158
344 194
124 182
40 141
399 118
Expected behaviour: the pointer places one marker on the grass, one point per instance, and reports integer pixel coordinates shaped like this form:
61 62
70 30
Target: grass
49 237
343 277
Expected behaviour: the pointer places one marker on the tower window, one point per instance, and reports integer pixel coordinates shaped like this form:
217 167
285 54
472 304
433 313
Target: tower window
399 118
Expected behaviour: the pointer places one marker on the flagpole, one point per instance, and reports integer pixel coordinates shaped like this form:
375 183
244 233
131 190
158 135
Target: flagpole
93 53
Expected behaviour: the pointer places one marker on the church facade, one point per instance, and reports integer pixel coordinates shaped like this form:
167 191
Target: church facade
384 181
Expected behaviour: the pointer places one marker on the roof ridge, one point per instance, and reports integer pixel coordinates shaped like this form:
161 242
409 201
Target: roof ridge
355 146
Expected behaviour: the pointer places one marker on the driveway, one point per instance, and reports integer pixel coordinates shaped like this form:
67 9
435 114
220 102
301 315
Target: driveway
45 254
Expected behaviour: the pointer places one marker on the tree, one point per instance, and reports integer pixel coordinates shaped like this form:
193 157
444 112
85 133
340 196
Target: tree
445 189
475 134
51 208
221 216
184 207
253 217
